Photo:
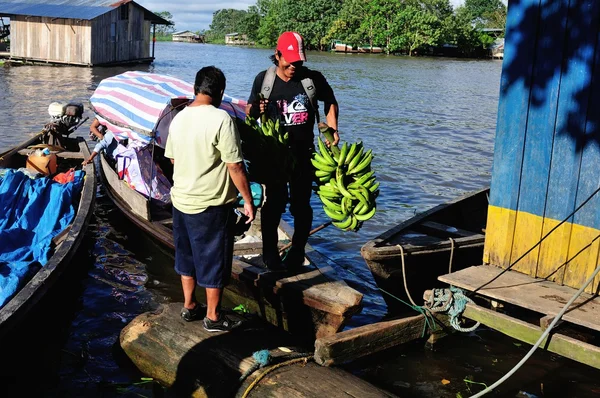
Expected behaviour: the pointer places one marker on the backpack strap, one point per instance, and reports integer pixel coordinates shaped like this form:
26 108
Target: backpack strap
268 81
307 83
311 91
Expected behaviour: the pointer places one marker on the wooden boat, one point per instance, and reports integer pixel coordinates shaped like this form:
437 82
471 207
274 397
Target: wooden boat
448 236
64 245
312 301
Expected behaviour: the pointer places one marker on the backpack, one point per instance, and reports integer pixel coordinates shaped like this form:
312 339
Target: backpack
307 83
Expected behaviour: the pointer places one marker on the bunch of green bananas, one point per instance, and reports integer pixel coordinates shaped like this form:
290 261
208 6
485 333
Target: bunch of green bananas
266 151
347 185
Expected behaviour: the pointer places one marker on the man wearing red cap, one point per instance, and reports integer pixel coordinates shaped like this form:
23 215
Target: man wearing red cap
291 93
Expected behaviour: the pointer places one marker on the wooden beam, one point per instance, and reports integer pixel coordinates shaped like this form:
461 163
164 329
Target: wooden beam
366 340
557 343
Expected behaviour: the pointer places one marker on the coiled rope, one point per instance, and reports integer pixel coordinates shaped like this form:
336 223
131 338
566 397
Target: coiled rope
263 358
453 301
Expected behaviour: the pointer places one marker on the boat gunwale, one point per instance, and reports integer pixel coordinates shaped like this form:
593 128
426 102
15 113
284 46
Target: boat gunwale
376 249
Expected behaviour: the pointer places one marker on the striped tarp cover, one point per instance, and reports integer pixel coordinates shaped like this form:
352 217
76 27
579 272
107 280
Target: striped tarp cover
131 104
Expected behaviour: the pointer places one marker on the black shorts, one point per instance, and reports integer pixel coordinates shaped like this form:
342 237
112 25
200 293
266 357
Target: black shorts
204 245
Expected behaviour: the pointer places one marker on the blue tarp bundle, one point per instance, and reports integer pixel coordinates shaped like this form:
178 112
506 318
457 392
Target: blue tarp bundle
32 212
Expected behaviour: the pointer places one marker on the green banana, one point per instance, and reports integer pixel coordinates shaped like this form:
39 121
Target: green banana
357 208
351 152
364 163
329 194
356 159
329 188
321 159
325 152
331 204
369 183
366 216
361 180
339 179
322 166
343 153
322 173
373 188
365 193
353 223
346 205
333 214
343 224
358 195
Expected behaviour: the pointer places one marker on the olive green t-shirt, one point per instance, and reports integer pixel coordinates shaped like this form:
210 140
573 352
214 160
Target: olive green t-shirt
202 139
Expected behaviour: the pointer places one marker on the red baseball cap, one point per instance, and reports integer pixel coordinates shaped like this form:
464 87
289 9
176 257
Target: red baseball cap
291 46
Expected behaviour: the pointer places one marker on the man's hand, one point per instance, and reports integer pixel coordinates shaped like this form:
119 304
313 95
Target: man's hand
249 211
84 163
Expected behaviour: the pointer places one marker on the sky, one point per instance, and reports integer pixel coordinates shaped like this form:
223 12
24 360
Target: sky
196 15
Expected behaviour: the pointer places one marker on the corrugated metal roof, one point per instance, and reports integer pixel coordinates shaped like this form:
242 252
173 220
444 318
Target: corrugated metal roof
71 9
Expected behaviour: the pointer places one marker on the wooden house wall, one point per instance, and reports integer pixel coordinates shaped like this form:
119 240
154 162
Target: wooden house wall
50 39
120 40
547 149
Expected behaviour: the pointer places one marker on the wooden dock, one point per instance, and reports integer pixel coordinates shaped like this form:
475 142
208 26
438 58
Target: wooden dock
539 296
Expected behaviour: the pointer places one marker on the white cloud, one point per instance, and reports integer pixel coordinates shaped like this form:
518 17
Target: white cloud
193 14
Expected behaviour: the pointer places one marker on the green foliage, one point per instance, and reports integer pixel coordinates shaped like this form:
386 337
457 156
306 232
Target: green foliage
397 25
164 30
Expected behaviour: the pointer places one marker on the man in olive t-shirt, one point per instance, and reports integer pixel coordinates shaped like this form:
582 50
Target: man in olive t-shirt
204 146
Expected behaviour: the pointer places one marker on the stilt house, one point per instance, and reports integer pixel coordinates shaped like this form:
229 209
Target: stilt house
81 32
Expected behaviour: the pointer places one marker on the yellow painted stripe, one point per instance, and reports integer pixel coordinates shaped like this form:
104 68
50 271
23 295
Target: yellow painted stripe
509 234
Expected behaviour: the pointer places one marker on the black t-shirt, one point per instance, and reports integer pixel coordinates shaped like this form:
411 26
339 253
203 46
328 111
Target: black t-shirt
289 102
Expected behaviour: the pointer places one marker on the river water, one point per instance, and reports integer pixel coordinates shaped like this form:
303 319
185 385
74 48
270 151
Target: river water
431 124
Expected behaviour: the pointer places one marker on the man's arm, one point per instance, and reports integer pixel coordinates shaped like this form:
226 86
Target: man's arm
332 121
237 171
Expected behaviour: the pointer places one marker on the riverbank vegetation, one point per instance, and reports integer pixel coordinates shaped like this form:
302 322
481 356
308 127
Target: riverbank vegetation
398 26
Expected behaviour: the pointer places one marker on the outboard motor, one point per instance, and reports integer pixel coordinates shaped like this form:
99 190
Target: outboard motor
65 119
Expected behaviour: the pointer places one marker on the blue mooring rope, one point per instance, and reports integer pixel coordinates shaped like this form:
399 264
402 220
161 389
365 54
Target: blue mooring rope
453 301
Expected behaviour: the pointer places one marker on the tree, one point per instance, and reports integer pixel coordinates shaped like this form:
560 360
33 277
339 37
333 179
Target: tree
482 12
311 18
416 27
165 30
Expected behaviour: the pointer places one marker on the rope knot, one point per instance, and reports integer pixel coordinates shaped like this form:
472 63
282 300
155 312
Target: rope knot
452 301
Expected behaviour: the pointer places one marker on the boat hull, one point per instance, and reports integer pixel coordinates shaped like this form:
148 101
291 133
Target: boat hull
448 237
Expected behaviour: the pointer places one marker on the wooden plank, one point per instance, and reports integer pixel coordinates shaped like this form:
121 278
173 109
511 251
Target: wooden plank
560 344
570 126
582 266
524 291
539 138
522 25
365 340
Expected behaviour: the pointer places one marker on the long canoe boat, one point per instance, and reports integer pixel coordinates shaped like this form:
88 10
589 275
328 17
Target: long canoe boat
33 210
411 256
312 301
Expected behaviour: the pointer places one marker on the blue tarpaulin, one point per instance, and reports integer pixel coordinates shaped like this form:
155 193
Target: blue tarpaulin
32 212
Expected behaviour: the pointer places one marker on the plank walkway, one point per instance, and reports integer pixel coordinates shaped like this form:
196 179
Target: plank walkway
527 292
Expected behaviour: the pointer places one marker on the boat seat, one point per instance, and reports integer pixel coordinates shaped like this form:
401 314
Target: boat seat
443 230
